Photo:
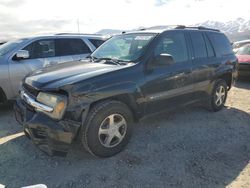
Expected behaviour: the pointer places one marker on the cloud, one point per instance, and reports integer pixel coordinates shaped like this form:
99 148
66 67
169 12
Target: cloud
12 3
15 28
161 2
20 18
128 1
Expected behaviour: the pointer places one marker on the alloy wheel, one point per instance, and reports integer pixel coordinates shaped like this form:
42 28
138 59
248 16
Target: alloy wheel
220 95
112 130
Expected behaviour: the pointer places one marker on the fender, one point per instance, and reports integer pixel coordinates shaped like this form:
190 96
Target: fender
127 92
226 72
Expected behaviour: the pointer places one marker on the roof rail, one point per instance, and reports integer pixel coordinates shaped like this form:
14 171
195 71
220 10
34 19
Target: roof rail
192 27
77 34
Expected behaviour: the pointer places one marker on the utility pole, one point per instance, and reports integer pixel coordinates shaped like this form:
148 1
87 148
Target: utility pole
78 25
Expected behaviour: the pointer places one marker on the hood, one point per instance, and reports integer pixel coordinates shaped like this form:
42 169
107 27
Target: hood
68 73
243 58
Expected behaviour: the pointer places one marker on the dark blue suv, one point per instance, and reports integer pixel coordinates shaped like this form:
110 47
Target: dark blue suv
128 77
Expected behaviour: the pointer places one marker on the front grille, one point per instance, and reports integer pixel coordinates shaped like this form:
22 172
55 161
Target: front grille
30 90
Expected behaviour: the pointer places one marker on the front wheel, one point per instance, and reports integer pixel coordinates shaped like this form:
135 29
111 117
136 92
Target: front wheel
108 128
218 96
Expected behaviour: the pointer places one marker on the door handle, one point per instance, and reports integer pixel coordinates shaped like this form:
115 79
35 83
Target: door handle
180 74
188 72
53 63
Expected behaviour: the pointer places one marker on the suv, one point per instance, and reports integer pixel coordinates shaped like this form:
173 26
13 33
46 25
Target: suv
20 57
131 75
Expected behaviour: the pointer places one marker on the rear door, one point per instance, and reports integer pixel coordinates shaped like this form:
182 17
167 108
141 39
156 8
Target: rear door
71 49
170 85
204 61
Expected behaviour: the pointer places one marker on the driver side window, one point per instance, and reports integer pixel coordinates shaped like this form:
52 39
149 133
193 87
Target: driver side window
173 44
41 49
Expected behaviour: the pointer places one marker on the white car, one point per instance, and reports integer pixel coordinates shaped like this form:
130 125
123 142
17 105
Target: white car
238 44
21 57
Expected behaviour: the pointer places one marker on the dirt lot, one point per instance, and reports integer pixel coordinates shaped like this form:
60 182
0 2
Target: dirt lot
191 147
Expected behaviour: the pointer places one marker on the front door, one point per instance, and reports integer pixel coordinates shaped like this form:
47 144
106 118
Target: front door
41 54
170 85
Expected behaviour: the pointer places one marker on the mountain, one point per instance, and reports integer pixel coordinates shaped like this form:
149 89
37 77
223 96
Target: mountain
236 26
109 31
238 29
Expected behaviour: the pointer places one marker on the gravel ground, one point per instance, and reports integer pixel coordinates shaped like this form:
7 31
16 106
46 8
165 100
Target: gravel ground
190 147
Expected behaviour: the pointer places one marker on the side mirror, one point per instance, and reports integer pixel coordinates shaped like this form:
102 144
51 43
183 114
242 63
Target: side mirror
22 54
160 60
163 59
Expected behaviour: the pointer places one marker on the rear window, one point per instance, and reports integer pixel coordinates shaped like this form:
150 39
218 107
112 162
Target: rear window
221 44
96 42
71 47
210 50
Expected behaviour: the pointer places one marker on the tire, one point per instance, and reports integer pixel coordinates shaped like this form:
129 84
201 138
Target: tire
218 96
102 124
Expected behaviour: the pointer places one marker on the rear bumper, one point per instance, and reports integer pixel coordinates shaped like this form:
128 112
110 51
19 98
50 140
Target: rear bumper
51 136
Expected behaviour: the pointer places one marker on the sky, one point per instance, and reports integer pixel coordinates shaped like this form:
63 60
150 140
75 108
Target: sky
20 18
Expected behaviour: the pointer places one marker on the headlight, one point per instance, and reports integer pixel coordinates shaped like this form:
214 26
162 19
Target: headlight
57 102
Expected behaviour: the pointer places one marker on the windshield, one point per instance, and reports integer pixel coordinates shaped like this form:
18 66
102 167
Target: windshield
245 50
127 47
9 46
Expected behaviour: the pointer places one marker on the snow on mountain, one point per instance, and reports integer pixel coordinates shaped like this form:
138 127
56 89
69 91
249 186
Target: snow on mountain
231 27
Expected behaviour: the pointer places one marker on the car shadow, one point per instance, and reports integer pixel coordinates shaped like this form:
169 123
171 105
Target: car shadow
204 149
8 124
6 107
190 147
243 83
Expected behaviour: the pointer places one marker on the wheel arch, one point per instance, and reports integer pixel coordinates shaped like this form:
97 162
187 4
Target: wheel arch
127 99
228 78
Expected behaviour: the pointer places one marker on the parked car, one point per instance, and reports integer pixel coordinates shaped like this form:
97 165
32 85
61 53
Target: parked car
128 77
20 57
237 45
243 56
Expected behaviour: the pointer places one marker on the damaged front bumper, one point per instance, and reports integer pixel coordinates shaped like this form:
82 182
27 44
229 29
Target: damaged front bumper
51 136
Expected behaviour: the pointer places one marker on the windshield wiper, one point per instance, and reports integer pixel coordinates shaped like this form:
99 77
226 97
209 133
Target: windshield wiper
108 60
93 58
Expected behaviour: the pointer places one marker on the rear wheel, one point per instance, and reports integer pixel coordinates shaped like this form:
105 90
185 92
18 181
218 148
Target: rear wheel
108 128
218 96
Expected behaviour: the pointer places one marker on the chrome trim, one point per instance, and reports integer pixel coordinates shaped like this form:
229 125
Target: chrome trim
35 104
